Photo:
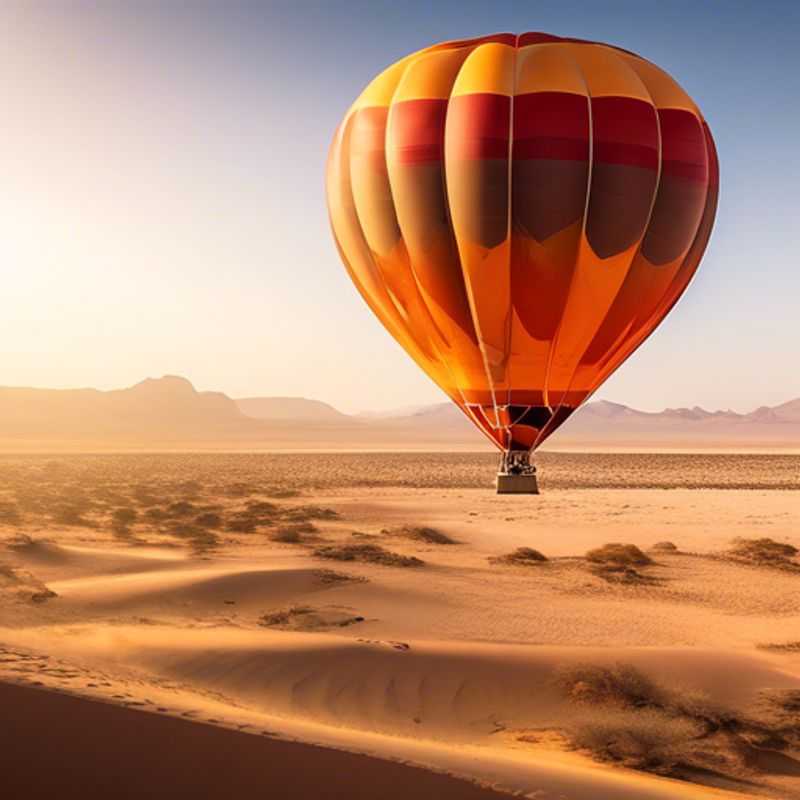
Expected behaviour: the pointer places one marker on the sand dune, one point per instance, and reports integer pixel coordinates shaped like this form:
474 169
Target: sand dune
445 690
48 557
561 679
196 587
97 750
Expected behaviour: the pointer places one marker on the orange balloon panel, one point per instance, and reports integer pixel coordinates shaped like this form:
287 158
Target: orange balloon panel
520 212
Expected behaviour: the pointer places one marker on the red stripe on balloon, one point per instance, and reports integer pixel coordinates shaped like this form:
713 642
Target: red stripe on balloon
624 131
683 145
551 125
417 130
478 126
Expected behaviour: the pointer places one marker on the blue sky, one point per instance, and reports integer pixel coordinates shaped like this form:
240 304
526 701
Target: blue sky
163 207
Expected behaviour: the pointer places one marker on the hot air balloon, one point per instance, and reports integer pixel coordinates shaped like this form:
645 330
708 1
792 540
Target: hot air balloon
520 212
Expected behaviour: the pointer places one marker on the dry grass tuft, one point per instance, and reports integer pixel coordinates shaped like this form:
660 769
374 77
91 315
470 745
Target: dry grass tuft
627 718
522 556
664 547
122 519
764 552
620 685
68 514
181 508
306 618
649 741
208 519
332 577
781 647
616 563
295 533
284 616
368 553
621 554
420 533
307 513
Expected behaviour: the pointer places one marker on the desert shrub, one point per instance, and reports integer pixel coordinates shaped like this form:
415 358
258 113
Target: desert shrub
294 533
208 519
616 553
304 513
620 685
308 618
285 615
646 740
261 507
762 551
369 553
42 595
522 556
781 647
420 533
241 524
70 515
201 540
180 508
331 577
664 547
286 535
122 518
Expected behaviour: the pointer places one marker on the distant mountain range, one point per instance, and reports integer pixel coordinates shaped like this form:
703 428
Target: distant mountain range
169 413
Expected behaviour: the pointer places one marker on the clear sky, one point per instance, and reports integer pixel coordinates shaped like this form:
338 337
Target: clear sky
162 206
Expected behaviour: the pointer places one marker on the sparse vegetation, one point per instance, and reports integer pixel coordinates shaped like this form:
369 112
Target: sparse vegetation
306 513
649 740
208 519
620 685
331 577
627 718
621 554
420 533
181 508
764 552
307 618
664 547
369 553
782 647
68 514
285 615
294 533
521 557
616 563
123 518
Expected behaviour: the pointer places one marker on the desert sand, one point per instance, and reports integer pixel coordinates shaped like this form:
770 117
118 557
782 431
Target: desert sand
386 626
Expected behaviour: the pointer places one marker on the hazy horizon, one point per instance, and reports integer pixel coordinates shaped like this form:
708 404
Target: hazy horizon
400 409
164 212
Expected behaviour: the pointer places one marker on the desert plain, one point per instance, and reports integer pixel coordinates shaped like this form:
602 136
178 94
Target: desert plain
368 625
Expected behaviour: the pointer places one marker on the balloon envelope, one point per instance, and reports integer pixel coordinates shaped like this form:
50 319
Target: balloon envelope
520 212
